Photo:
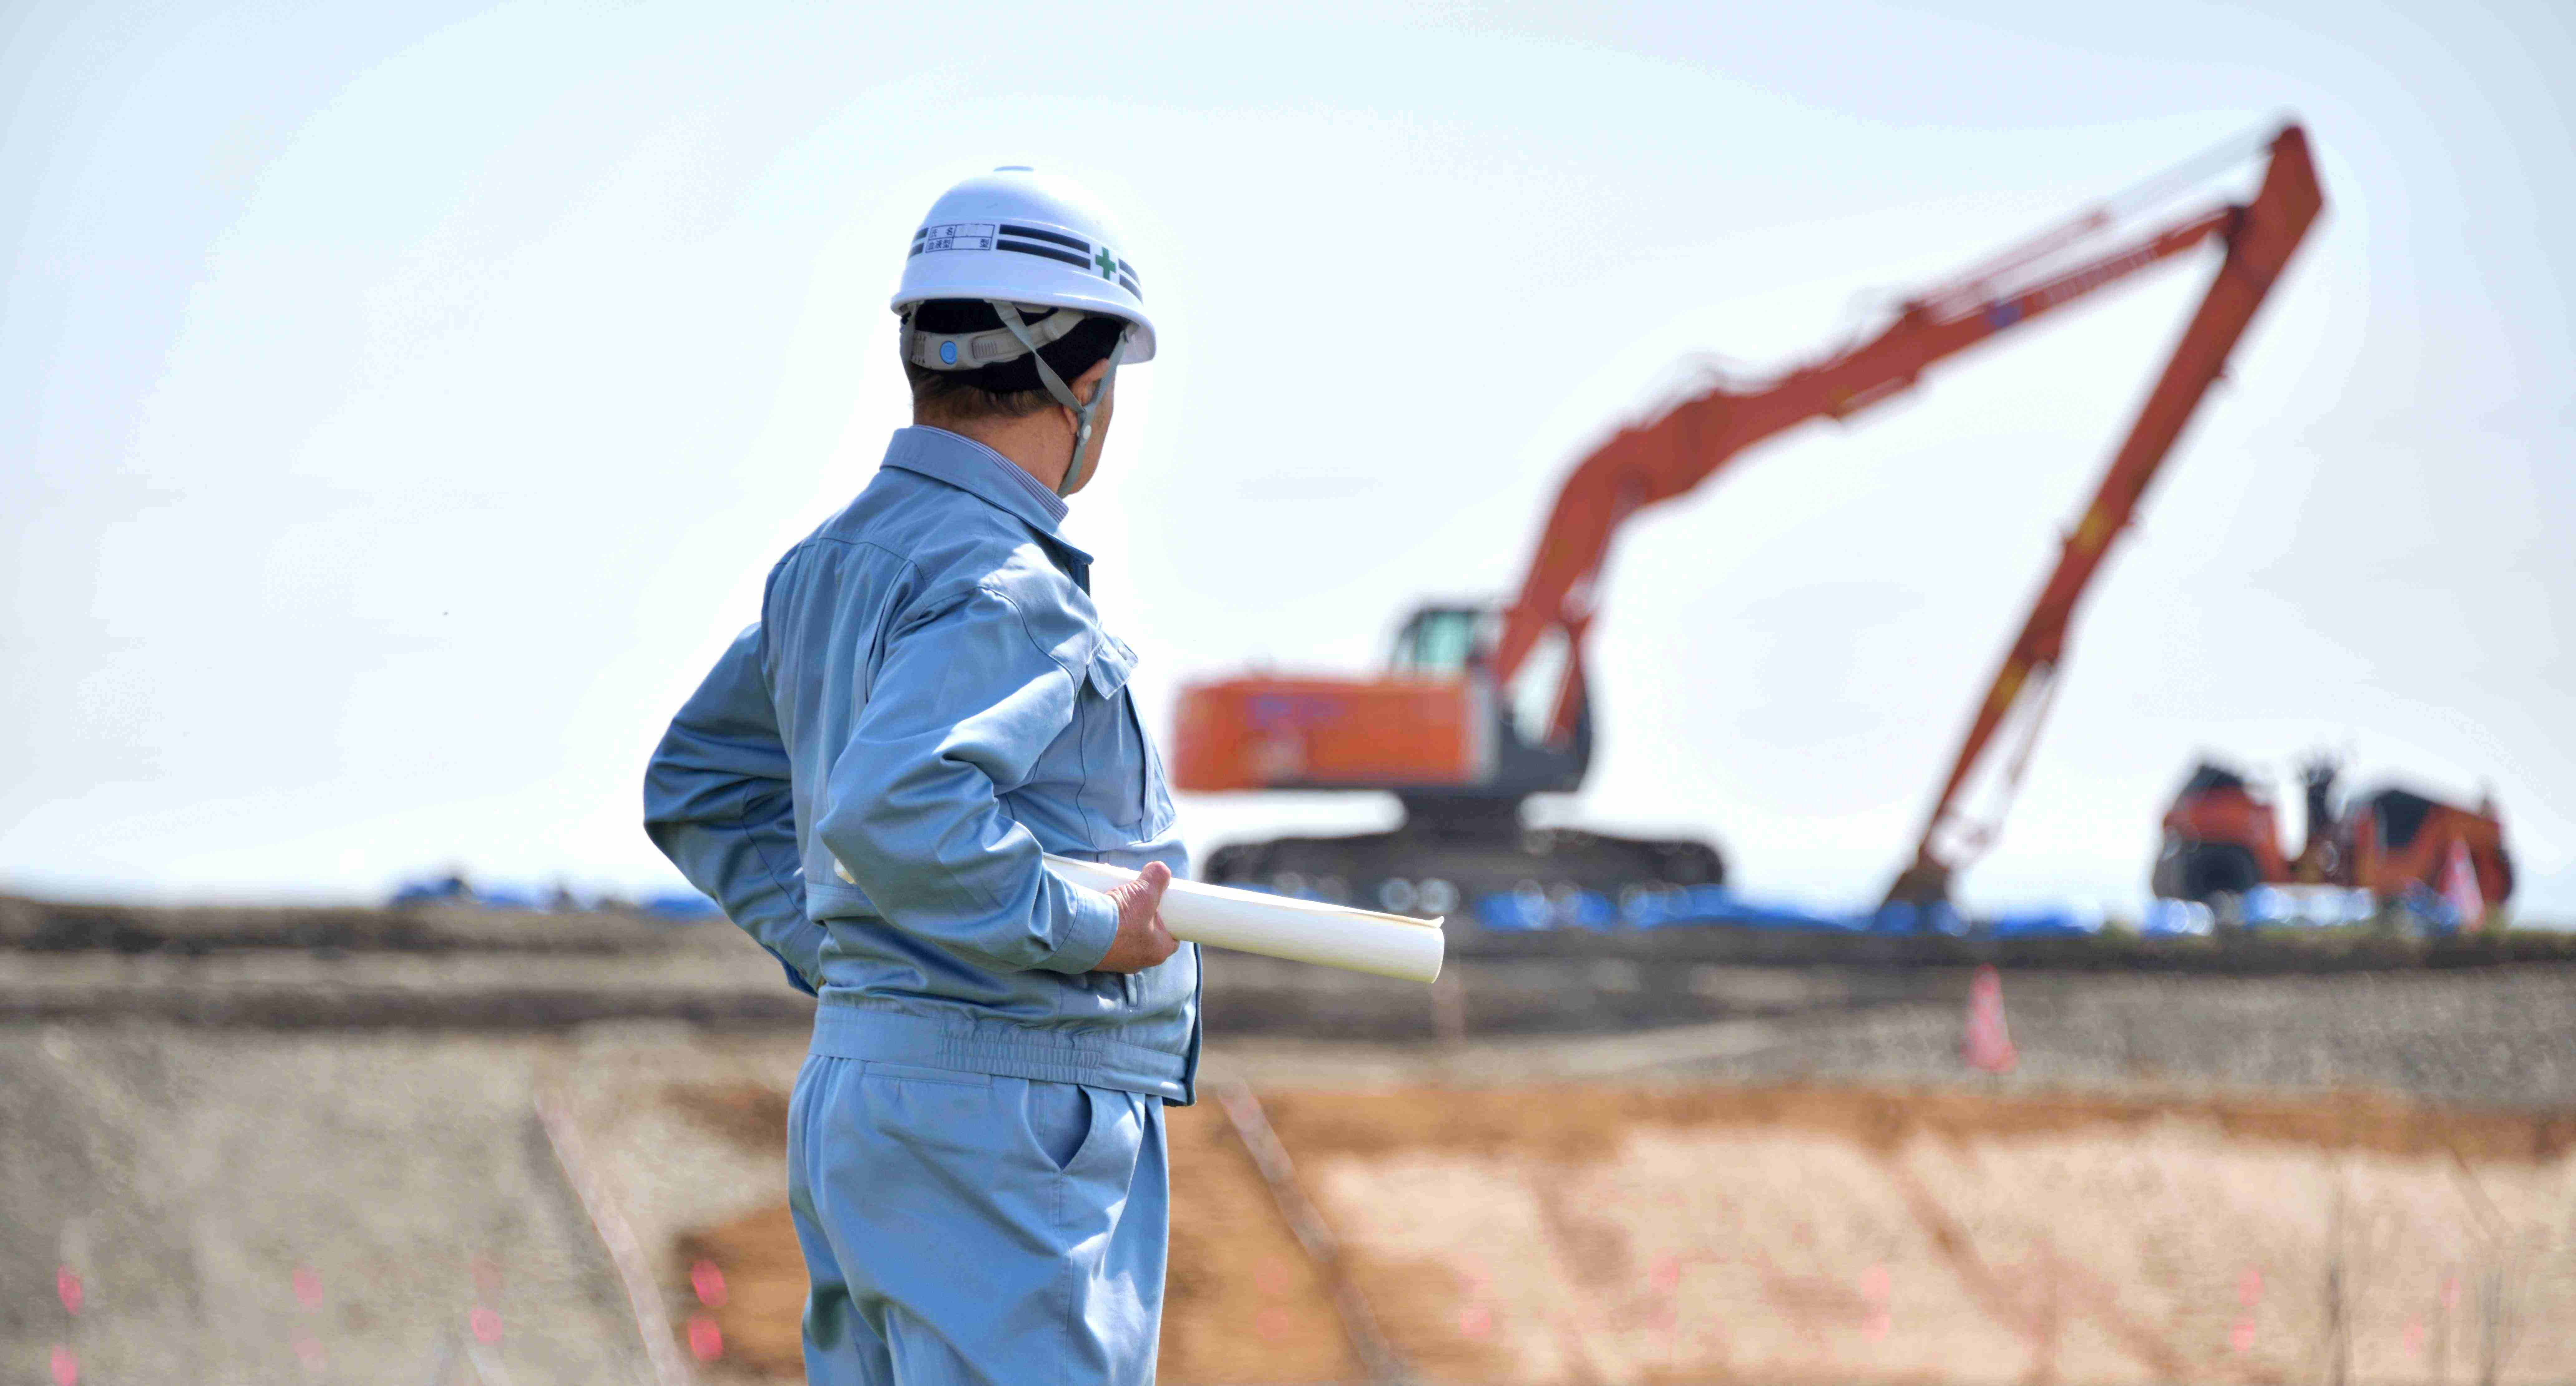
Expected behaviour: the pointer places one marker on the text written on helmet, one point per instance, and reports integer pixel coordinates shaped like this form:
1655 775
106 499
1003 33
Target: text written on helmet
957 235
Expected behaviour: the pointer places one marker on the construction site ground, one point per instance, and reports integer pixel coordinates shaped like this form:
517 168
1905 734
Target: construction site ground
271 1163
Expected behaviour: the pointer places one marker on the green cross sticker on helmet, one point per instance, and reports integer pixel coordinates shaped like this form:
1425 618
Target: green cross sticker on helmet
1104 262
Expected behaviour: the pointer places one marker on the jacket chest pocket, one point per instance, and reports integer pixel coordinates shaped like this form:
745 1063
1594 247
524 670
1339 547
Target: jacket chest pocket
1121 780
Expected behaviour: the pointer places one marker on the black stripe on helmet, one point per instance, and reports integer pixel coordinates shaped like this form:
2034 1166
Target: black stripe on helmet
1050 252
1128 282
1037 234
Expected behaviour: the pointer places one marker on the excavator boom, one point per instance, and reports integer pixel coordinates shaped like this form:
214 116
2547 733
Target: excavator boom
1670 455
2260 238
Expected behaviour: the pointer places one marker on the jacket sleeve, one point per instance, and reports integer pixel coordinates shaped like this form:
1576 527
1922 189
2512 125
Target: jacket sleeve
717 802
963 704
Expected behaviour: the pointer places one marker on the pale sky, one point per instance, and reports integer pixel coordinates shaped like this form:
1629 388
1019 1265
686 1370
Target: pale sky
400 405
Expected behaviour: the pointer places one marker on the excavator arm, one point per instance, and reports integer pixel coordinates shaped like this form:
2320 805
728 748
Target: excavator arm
2260 237
1667 456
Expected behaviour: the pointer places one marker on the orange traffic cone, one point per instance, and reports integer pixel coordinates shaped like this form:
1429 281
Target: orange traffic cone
2460 887
1988 1045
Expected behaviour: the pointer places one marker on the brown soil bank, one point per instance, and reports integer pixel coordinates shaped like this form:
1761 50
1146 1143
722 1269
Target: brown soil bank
1502 1222
1799 1234
1590 1235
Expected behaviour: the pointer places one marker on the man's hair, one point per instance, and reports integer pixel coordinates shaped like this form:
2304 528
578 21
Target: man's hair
1008 389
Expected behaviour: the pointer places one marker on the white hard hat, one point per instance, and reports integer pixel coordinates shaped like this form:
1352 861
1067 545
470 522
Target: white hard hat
1019 236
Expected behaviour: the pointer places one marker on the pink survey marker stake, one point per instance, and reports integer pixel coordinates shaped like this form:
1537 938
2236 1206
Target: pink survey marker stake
1986 1042
2249 1292
307 1283
483 1319
707 1280
1664 1282
66 1367
67 1288
706 1341
1476 1320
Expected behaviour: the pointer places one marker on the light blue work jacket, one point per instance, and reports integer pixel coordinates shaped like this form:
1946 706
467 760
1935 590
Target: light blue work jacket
867 778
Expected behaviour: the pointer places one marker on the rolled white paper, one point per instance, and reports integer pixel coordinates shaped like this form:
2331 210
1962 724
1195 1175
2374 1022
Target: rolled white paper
1247 921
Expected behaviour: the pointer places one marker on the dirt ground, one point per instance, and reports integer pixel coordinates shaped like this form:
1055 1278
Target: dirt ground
2229 1179
241 1206
1810 1234
1797 1233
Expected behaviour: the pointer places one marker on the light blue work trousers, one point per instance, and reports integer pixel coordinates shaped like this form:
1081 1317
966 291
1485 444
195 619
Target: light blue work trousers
967 1228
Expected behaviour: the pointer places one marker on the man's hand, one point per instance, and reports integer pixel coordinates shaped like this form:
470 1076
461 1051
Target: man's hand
1142 940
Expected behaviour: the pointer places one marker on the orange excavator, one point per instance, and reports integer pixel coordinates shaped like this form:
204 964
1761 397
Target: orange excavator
1482 707
2221 838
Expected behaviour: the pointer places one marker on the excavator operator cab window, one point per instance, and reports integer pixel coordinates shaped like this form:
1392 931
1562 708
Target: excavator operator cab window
1439 640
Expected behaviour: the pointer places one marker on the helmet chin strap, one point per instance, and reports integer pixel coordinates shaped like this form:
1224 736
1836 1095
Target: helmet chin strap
1074 470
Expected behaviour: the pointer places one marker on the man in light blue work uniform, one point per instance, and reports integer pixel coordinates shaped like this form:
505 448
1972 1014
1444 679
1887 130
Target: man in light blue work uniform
866 782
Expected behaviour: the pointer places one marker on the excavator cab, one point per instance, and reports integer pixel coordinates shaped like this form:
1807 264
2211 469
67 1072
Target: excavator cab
1439 642
1519 754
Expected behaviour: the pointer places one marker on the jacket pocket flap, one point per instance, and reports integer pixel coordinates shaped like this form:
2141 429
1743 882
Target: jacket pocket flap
1111 663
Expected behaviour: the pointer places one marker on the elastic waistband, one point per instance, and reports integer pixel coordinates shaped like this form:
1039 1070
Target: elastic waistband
868 1028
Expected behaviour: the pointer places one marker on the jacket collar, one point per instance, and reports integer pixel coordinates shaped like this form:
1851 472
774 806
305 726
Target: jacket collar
988 476
976 470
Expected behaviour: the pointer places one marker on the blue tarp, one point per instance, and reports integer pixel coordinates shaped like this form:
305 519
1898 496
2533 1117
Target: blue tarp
2040 924
2305 907
2176 919
1512 913
681 906
433 890
671 906
1904 917
2430 912
1716 905
1521 911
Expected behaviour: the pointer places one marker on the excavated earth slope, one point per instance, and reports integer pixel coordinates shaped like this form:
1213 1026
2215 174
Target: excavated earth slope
319 1158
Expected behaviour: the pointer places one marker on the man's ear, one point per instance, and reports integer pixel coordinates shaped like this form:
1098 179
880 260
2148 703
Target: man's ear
1087 383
